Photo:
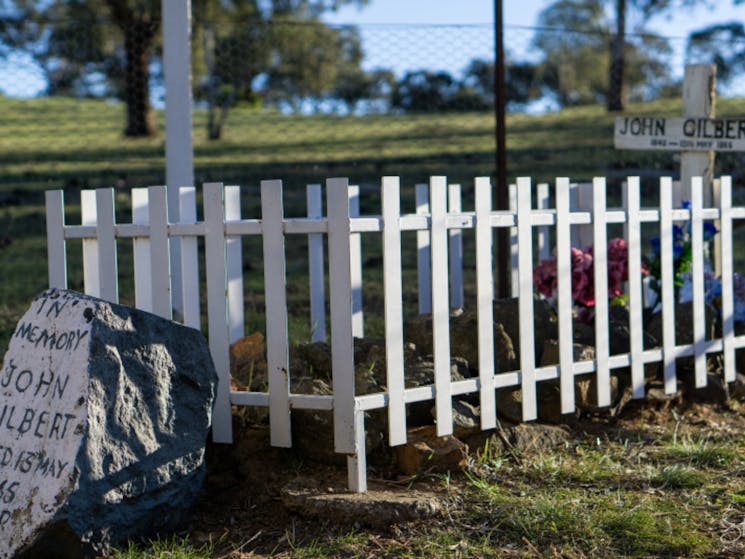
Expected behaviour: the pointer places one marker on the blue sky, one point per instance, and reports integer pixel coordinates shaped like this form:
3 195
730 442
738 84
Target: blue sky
519 15
393 49
516 12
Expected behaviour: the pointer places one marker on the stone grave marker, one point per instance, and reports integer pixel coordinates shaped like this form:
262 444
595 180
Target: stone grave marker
104 415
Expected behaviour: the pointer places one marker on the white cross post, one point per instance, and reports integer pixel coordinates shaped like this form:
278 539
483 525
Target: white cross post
176 16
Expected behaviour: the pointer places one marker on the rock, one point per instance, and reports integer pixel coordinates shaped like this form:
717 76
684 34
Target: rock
466 418
248 363
737 388
378 508
716 390
509 403
520 439
506 312
425 451
103 423
421 372
463 339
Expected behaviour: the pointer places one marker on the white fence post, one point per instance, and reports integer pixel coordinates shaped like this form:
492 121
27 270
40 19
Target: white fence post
393 302
485 301
214 247
525 301
600 271
316 267
565 304
56 249
455 250
347 417
234 262
277 342
424 265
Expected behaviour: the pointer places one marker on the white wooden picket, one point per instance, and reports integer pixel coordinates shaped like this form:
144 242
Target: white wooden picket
439 220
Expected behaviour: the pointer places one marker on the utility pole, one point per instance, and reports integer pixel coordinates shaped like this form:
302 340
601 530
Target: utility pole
501 188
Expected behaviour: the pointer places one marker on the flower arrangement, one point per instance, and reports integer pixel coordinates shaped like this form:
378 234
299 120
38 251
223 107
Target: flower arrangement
583 286
682 255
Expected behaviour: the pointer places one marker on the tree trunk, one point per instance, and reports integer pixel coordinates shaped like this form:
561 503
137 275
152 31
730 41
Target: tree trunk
616 82
138 40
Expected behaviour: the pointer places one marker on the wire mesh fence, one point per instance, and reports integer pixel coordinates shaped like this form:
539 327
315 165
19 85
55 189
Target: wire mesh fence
84 96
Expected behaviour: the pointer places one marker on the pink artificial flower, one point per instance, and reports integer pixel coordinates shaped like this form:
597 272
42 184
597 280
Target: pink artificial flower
582 277
544 277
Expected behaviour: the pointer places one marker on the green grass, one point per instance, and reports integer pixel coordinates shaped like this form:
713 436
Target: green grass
57 142
619 496
52 143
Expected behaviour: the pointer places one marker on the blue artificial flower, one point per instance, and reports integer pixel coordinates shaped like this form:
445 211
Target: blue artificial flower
655 242
709 230
685 204
678 234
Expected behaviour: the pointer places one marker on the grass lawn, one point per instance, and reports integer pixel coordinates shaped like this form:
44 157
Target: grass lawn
665 481
657 482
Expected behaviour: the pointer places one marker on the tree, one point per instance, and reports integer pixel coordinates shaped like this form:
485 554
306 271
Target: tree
722 44
107 47
521 81
585 61
575 61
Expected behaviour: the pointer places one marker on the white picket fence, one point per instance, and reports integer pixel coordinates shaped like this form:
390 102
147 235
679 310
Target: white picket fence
437 227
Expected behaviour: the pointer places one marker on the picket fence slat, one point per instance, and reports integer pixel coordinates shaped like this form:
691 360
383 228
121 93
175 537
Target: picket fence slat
564 294
159 254
632 203
340 303
697 273
455 250
514 247
355 264
668 290
56 249
544 240
107 257
392 287
234 263
424 264
141 250
440 305
728 305
189 258
485 302
91 282
525 302
219 342
316 267
600 270
277 343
